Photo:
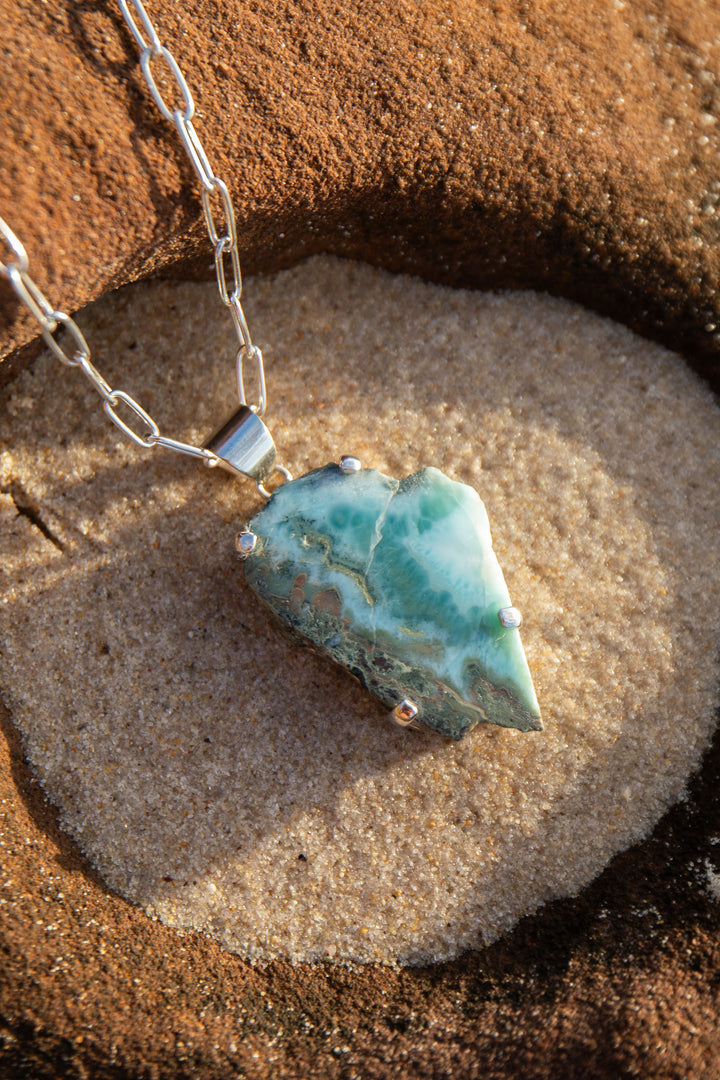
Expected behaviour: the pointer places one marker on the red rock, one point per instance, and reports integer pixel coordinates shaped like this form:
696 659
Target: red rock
503 146
582 159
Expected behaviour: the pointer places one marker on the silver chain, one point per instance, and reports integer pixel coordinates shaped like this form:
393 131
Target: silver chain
224 241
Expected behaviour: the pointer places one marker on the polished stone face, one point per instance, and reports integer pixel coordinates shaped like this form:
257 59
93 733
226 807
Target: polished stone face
397 581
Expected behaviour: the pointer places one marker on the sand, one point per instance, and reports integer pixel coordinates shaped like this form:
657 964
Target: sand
231 784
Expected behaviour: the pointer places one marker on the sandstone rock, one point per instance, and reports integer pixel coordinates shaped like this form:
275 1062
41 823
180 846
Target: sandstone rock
574 152
569 150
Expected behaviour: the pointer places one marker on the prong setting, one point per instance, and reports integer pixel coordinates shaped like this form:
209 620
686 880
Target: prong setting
404 713
510 618
245 543
350 464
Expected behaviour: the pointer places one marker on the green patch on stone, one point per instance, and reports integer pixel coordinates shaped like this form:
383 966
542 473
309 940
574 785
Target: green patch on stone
397 582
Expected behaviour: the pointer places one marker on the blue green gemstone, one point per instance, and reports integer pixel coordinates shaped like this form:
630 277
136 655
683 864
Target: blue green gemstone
396 580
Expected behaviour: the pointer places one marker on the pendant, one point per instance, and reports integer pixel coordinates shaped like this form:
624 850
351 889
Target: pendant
396 580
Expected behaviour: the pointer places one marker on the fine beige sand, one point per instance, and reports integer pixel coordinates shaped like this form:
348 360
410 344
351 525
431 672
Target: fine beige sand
232 784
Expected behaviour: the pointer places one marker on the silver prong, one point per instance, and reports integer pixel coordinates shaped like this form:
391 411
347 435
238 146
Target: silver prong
404 713
245 543
510 617
350 464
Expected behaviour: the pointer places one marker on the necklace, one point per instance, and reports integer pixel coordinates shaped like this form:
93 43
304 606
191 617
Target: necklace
395 580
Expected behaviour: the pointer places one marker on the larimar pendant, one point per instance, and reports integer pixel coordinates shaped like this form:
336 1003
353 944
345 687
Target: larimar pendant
396 580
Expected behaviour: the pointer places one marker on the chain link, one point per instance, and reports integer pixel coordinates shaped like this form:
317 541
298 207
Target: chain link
188 110
146 21
225 248
194 150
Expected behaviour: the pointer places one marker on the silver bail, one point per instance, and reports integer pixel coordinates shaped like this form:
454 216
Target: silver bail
244 446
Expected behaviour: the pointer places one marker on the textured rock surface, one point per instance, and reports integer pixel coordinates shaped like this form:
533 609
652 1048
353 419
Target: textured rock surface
572 149
583 160
397 582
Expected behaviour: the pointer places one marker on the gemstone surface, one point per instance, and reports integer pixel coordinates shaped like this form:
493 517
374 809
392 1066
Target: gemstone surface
397 581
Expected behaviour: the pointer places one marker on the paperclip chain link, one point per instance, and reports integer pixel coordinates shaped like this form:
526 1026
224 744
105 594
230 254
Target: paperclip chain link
222 231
